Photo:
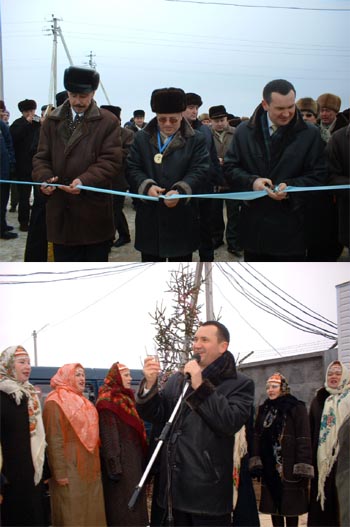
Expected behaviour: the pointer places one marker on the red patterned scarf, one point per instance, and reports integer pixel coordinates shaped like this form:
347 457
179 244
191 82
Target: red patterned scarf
114 397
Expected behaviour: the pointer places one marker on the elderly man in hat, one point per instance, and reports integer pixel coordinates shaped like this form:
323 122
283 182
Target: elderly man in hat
79 145
167 158
213 179
25 136
331 119
138 121
223 134
120 183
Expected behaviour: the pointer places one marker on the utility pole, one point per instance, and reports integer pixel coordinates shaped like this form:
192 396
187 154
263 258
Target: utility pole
92 64
35 338
53 75
208 269
34 334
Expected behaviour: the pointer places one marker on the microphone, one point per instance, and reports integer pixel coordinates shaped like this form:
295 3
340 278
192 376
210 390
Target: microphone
197 358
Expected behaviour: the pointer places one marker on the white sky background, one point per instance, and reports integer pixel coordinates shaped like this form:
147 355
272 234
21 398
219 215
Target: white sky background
227 54
119 326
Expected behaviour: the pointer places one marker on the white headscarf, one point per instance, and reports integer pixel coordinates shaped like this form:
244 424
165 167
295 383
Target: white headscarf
10 385
335 410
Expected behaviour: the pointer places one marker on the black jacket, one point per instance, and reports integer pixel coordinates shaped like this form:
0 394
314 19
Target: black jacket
161 231
201 440
297 159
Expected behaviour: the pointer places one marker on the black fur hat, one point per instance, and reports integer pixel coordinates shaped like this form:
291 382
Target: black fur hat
215 112
115 110
139 113
168 100
27 104
61 97
80 80
193 99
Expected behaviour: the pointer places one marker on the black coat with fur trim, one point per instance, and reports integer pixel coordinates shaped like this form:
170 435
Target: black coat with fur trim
163 231
297 159
201 440
296 457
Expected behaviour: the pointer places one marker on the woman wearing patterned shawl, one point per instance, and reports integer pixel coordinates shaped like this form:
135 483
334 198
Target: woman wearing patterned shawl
328 411
123 448
71 424
282 454
22 441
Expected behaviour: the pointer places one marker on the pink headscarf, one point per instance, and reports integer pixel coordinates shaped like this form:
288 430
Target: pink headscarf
81 413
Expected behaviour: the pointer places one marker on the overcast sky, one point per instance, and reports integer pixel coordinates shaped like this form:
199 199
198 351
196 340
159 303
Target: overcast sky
225 53
98 321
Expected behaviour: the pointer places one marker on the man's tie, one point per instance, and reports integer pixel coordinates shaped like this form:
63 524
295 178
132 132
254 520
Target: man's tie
273 127
78 119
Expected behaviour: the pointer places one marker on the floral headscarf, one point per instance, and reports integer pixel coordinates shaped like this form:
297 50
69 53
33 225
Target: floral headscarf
335 410
114 397
80 412
10 385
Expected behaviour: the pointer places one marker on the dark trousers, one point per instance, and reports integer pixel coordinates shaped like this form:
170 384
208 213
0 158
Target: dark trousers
24 192
36 245
4 198
206 247
151 258
96 252
182 519
233 208
250 256
120 221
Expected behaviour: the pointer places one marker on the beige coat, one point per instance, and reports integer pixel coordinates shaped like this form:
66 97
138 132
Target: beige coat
80 503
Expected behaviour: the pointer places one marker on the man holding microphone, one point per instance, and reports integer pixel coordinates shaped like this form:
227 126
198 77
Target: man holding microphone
196 464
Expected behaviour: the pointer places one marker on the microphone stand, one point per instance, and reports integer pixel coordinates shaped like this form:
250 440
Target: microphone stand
161 440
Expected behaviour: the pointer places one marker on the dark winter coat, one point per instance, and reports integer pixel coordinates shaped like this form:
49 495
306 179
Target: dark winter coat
330 516
25 137
215 175
201 440
297 159
296 462
7 153
92 154
122 464
23 500
163 231
338 154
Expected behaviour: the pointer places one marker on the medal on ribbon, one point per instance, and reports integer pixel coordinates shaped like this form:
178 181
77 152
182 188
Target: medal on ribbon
158 158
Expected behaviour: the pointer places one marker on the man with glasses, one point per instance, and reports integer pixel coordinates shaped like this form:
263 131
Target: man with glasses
167 158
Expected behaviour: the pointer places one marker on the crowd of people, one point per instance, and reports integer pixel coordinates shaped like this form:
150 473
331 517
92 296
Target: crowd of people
92 457
177 154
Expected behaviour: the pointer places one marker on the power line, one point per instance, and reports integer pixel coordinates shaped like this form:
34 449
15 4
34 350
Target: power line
92 273
294 8
318 317
298 323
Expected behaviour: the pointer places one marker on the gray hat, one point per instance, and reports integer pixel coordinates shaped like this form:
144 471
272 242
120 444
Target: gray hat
81 80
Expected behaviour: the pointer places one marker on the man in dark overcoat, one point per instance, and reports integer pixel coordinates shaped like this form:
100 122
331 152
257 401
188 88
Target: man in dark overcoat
196 463
25 136
80 144
271 151
167 158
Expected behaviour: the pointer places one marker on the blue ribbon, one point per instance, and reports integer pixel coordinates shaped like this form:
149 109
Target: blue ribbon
246 196
160 146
